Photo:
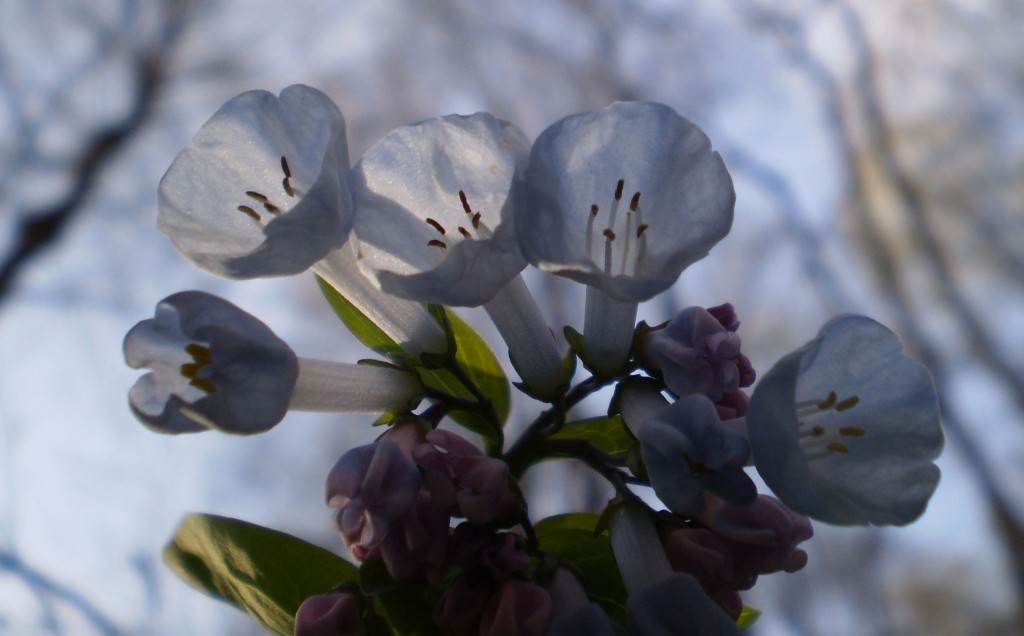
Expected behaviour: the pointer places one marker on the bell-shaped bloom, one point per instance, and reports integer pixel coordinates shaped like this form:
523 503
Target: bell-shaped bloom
463 481
372 487
846 428
687 451
623 199
434 217
261 190
337 614
696 354
518 608
676 605
214 366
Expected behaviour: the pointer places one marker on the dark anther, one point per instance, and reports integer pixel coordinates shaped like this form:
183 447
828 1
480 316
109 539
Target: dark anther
593 209
476 220
463 231
848 403
437 243
284 167
287 185
634 202
437 226
273 209
247 210
640 230
465 203
618 189
609 234
262 198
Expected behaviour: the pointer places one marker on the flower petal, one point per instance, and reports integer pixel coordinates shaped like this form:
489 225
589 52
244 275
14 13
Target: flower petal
261 189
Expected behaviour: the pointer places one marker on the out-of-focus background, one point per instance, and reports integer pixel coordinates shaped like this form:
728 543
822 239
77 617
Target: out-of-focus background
878 152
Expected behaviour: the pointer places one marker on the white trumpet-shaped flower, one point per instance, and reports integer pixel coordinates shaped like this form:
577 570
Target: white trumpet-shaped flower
434 222
214 366
622 199
261 190
434 218
846 428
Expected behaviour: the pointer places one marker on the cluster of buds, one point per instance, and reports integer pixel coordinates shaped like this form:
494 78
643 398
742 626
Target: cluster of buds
448 212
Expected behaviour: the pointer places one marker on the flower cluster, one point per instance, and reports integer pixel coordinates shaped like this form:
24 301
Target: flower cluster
448 212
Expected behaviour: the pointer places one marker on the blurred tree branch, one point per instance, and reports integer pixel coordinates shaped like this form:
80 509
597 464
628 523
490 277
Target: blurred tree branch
38 228
860 104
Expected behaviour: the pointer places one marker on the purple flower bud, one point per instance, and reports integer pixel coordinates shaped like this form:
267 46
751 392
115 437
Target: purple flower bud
500 554
418 543
711 560
372 486
732 405
688 451
726 316
697 354
458 611
465 482
764 535
517 609
337 614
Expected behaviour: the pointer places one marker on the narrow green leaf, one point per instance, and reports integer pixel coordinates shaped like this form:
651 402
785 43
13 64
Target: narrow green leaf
357 322
571 537
476 357
607 433
263 572
407 606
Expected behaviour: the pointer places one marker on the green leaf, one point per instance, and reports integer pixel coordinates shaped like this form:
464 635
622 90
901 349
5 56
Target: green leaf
258 570
476 357
357 322
407 606
748 616
607 433
571 537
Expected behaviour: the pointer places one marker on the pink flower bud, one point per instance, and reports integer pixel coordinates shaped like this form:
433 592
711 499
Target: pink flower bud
698 353
518 609
726 316
458 611
465 482
372 486
764 535
501 554
337 614
418 543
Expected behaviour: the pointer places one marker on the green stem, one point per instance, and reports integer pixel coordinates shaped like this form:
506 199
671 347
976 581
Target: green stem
525 451
484 405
